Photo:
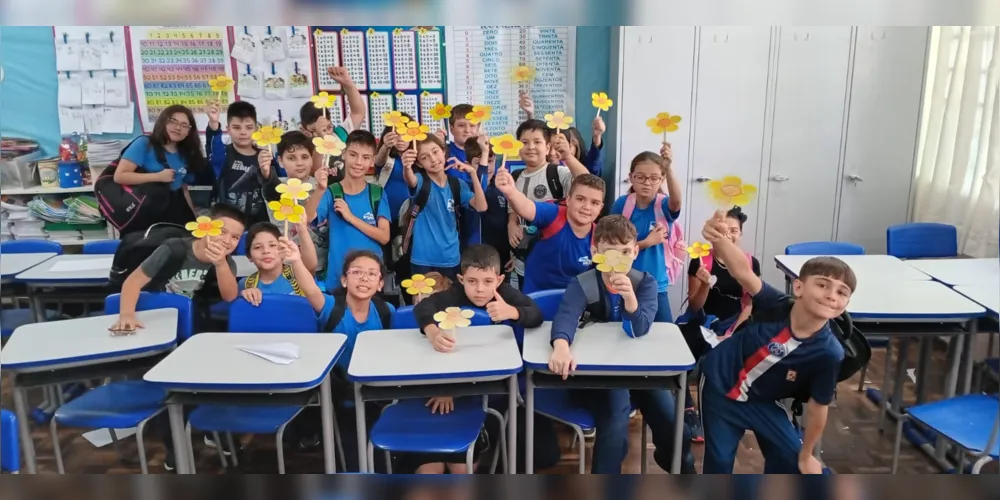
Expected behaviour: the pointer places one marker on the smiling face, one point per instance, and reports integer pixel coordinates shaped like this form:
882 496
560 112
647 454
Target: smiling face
431 157
584 204
232 231
822 296
480 284
358 159
463 129
536 147
264 251
241 131
735 230
362 278
178 127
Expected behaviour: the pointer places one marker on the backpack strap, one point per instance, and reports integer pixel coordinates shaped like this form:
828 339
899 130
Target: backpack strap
456 195
661 218
384 313
552 179
590 281
289 274
336 190
629 206
252 280
340 309
375 197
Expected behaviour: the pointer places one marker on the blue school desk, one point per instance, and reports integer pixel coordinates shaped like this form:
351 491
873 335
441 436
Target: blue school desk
210 369
402 364
987 296
16 263
867 268
607 358
74 350
960 271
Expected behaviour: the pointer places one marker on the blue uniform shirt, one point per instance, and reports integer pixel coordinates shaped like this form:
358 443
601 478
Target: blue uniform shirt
350 326
344 237
435 237
141 153
280 286
650 259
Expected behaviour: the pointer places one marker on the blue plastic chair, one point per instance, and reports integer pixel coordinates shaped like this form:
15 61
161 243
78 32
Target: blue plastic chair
103 247
30 246
824 248
964 421
408 425
921 240
275 314
10 446
127 404
241 247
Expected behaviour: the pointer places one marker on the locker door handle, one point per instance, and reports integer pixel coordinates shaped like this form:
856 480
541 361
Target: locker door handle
855 178
779 178
703 179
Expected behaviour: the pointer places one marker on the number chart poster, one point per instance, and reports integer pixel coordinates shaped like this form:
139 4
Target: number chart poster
172 65
395 68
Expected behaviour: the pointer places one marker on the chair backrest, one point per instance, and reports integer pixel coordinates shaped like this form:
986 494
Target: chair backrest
546 300
160 300
241 247
103 247
275 314
30 246
10 445
824 248
403 318
921 240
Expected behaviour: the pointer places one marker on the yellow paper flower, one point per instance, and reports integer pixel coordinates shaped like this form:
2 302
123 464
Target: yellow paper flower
394 119
412 131
204 226
506 145
524 74
698 250
731 191
440 111
294 189
419 284
612 260
267 135
286 209
601 101
558 120
479 114
221 83
453 317
329 145
323 100
663 122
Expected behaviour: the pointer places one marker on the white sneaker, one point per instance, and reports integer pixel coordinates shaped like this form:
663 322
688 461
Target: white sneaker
630 415
211 444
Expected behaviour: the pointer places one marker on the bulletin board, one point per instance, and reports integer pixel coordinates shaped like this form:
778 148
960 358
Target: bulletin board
172 65
93 80
395 67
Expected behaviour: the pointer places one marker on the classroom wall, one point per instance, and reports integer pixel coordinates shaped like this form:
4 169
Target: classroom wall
29 90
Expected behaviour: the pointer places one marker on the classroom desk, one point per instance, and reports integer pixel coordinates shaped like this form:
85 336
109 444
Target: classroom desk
867 268
987 295
72 350
607 358
402 364
209 369
66 271
960 271
13 264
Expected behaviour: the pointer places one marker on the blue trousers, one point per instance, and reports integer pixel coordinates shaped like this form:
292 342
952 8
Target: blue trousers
725 421
611 409
663 312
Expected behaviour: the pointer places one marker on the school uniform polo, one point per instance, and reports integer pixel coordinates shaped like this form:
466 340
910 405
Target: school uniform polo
555 259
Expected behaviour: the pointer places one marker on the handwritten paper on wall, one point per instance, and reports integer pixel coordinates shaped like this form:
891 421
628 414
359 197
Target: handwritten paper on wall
93 93
274 71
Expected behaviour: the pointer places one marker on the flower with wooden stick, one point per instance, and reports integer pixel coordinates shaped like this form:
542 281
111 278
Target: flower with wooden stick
324 101
612 261
558 121
601 101
506 146
453 318
394 119
479 114
205 227
329 145
221 84
267 137
699 250
294 189
441 111
412 131
663 123
287 210
419 285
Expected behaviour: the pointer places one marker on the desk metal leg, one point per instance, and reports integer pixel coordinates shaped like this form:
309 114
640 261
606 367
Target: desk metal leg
27 445
969 356
37 306
182 456
512 426
326 411
922 363
675 466
359 417
529 424
955 356
897 386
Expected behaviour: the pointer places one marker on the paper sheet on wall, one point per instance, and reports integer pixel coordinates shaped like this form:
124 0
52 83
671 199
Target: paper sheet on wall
116 91
93 89
93 119
90 56
70 121
280 51
70 89
119 120
67 56
113 55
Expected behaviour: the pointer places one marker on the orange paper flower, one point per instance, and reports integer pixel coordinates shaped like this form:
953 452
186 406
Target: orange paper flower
204 226
221 83
440 111
663 122
329 145
612 260
698 250
601 101
419 284
412 131
294 189
453 317
524 74
479 114
558 120
267 135
731 191
394 119
286 209
323 100
506 145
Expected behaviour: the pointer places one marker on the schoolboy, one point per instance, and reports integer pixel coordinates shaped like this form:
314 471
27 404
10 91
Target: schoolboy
629 298
357 212
594 159
462 130
274 275
239 169
315 122
295 155
494 219
744 377
435 244
564 246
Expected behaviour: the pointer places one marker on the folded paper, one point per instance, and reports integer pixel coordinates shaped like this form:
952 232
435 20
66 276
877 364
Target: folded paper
282 353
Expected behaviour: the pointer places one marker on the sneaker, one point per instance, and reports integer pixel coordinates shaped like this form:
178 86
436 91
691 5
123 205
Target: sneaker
693 421
168 462
209 442
310 442
632 414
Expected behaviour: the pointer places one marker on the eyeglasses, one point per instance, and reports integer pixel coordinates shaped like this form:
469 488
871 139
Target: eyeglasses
643 179
735 231
359 273
179 124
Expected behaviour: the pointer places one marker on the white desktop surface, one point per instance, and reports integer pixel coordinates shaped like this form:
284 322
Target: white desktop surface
913 301
961 271
44 273
987 296
866 268
16 263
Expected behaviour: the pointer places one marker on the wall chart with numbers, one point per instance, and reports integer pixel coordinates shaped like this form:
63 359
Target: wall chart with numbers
172 65
483 60
395 68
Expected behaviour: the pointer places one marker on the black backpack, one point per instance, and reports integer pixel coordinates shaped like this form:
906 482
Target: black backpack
130 208
594 291
340 308
551 178
137 247
417 204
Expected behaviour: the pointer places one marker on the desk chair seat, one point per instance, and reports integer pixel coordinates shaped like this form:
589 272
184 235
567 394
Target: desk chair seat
455 432
103 247
11 319
972 422
10 444
120 405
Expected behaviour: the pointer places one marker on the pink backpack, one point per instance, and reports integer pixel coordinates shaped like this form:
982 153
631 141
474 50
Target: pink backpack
674 249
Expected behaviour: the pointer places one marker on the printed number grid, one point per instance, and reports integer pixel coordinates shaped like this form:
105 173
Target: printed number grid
176 68
353 51
327 54
430 60
404 60
379 72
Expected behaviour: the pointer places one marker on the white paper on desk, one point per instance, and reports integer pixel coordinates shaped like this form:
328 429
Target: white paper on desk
101 437
70 90
67 56
710 337
70 121
116 89
113 55
282 353
93 119
118 120
93 90
69 266
90 56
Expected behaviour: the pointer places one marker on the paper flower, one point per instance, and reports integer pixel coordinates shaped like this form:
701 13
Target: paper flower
479 114
286 209
204 226
453 317
267 135
506 145
601 101
329 145
412 131
524 74
612 260
731 191
419 284
698 250
294 189
323 100
221 83
440 111
394 119
663 123
558 120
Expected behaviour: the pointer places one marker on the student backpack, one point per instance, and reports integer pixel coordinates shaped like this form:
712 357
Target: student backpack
374 195
253 280
340 309
136 247
674 248
595 291
130 208
409 214
551 178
